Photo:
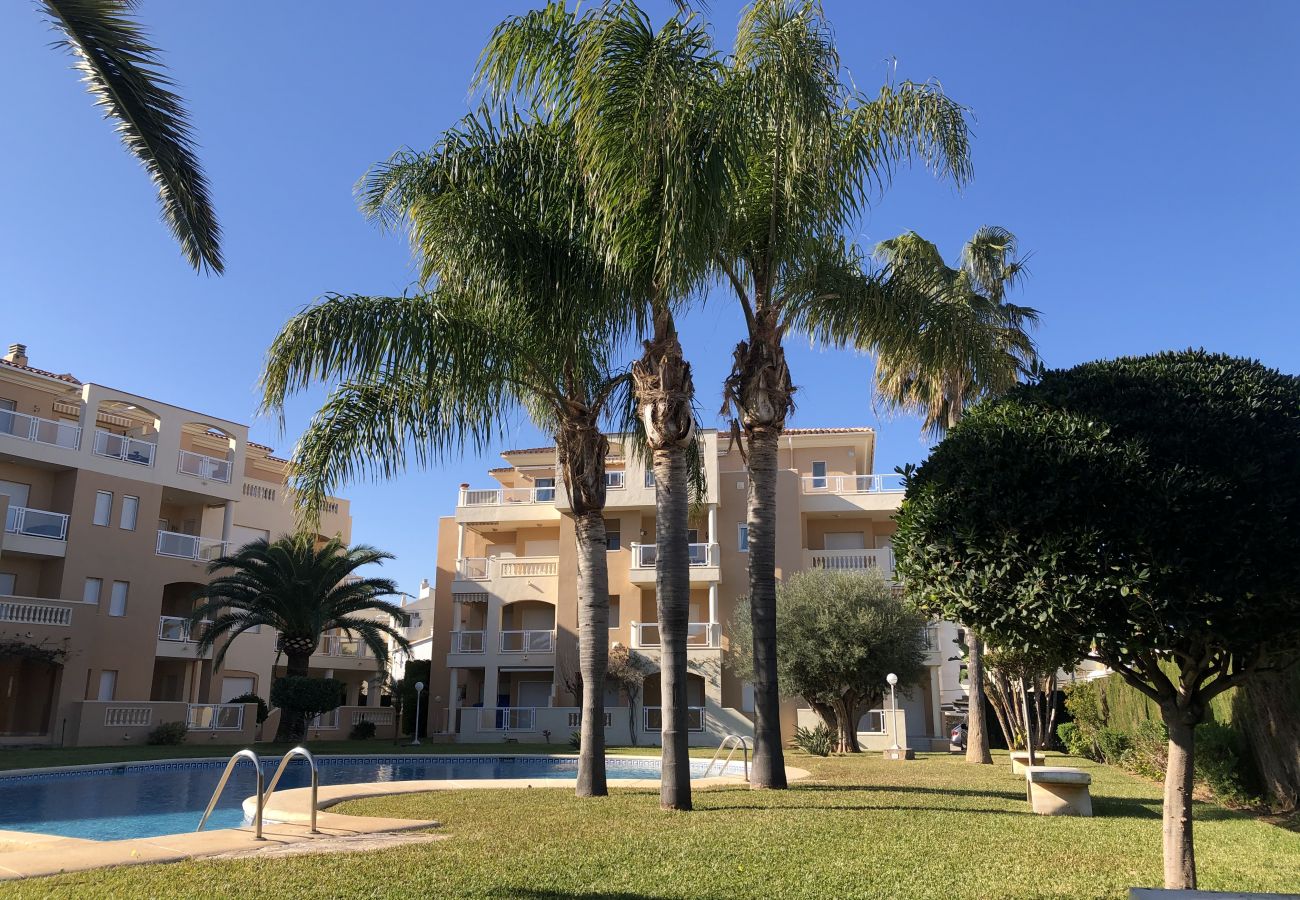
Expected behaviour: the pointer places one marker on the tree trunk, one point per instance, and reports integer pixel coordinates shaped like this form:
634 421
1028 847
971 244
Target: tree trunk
846 726
293 725
1180 859
664 392
977 735
593 651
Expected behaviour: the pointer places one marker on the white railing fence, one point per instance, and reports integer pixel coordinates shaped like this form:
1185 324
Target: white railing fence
853 560
698 634
467 642
36 523
528 641
34 611
128 716
340 645
699 554
382 718
472 568
325 721
54 432
575 719
127 449
652 718
189 546
507 718
209 468
527 566
177 628
852 484
875 721
215 717
506 496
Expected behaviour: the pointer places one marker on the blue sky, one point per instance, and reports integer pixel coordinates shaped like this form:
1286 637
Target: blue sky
1145 153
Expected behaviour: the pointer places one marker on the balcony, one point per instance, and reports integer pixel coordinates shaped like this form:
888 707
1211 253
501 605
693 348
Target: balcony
176 640
850 493
507 718
699 636
127 449
506 504
52 432
36 532
881 561
208 468
529 641
513 577
341 646
36 611
189 546
467 641
652 718
215 717
703 563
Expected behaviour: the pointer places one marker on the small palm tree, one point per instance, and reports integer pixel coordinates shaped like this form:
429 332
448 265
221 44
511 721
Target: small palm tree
122 72
302 590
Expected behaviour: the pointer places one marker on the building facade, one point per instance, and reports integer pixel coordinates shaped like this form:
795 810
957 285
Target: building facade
113 505
499 622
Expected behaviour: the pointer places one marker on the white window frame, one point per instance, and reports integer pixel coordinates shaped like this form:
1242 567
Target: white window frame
742 537
133 504
9 579
106 517
114 603
618 530
538 487
92 590
107 678
819 482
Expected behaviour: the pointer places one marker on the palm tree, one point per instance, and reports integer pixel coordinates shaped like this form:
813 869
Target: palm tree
302 589
123 73
811 149
973 344
520 319
643 102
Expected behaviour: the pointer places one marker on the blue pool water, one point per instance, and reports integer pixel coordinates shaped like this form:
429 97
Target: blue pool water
149 799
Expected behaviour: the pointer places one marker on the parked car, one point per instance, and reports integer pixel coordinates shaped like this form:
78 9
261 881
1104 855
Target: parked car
957 739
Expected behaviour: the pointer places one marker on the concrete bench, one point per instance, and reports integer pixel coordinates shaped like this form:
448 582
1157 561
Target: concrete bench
1058 790
1020 760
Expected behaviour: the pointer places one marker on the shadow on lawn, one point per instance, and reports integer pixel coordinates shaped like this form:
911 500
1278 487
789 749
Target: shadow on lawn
533 894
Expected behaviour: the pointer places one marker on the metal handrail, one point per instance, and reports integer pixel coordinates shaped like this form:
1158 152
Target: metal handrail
742 743
225 776
315 780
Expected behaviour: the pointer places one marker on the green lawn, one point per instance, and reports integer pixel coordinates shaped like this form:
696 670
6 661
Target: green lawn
861 827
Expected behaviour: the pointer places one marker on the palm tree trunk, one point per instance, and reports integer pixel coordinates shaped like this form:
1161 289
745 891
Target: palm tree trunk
665 394
593 650
768 770
1179 855
977 735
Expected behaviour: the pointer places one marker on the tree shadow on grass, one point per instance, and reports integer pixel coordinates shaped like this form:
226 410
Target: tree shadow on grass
534 894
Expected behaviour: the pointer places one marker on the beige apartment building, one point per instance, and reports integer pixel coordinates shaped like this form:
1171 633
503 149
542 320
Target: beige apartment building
499 623
113 505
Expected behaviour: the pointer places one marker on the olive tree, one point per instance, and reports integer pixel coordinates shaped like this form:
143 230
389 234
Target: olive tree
1145 511
838 635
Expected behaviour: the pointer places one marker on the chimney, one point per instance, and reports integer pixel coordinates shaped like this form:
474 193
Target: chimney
17 354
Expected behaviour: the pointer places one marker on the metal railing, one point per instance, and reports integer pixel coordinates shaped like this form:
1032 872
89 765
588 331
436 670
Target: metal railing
189 546
127 449
303 752
506 496
528 641
324 721
853 560
54 432
472 568
221 786
338 645
34 611
507 718
852 484
731 743
215 716
652 718
177 629
467 641
37 523
698 634
209 468
699 554
875 722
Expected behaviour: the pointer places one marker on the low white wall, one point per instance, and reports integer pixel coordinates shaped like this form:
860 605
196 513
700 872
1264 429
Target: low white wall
867 740
562 721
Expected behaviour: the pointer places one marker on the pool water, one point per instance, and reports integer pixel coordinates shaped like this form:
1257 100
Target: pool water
150 799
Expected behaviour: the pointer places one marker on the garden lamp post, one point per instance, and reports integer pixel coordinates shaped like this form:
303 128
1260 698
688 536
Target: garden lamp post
419 689
893 711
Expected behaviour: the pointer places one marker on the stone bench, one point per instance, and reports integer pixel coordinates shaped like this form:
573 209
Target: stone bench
1058 790
1020 760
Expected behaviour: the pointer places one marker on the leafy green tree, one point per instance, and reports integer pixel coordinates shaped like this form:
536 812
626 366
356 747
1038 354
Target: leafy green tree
523 315
302 590
838 634
1141 510
121 70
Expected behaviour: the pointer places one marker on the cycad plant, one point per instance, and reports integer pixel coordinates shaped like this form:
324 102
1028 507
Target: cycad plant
522 314
301 588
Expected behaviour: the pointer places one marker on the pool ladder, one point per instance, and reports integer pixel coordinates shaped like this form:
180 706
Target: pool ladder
264 796
731 743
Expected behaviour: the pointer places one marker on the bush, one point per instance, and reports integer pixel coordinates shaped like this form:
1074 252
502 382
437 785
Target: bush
1112 744
168 734
1219 765
416 670
1148 753
817 741
575 740
1072 739
307 696
362 731
262 709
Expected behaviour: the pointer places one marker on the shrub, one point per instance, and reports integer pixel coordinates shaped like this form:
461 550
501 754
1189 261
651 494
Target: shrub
307 696
416 670
262 709
1112 744
1148 753
1219 765
575 740
168 734
362 731
816 741
1072 739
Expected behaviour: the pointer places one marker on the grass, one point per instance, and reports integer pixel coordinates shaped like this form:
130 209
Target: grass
861 827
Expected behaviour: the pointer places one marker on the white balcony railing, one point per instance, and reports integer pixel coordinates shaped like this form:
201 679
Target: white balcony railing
127 449
325 721
575 719
36 523
467 641
529 641
209 468
128 716
215 717
382 718
339 645
189 546
506 496
177 629
484 568
54 432
507 718
875 722
930 635
644 555
698 634
652 718
852 484
34 611
881 560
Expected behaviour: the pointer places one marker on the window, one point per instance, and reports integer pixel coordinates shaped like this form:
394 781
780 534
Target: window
233 686
9 424
819 476
7 583
130 508
747 697
117 599
107 684
742 537
613 612
614 480
614 534
90 593
103 507
545 489
649 478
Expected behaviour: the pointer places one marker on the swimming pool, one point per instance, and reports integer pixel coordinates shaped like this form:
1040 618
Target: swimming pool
149 799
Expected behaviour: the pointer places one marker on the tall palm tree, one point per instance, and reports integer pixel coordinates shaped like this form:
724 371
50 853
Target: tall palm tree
302 590
521 317
643 102
973 344
123 73
812 149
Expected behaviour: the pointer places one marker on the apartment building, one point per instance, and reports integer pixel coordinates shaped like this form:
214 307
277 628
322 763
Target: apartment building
113 505
500 619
